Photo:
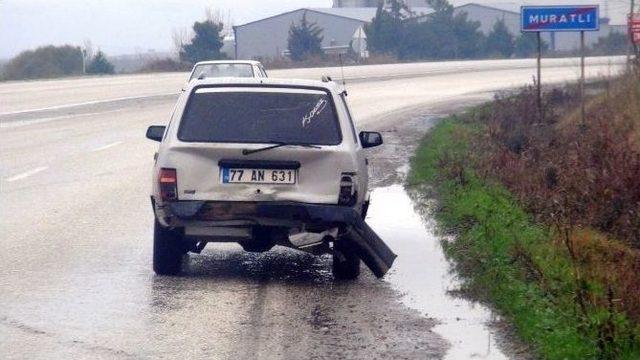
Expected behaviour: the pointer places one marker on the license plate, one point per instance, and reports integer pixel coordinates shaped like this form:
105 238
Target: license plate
258 176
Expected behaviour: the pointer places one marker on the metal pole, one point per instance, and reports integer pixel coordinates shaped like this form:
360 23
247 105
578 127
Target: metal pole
632 46
636 51
84 61
539 79
582 105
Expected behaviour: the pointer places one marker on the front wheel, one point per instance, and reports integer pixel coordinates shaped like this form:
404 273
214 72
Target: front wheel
168 250
346 264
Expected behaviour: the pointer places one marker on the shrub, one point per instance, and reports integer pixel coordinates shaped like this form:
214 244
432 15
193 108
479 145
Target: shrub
100 65
165 65
206 43
44 62
305 40
582 176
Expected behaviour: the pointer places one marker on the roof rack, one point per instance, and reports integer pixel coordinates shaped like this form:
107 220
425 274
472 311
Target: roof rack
326 78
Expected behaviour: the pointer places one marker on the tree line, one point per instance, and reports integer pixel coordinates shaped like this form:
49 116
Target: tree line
443 34
55 61
396 31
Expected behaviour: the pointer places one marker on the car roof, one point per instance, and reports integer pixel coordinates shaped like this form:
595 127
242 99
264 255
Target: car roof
230 81
212 62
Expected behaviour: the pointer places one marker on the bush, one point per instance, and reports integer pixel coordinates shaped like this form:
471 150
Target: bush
100 65
305 40
524 194
583 176
165 65
44 62
500 42
206 43
612 44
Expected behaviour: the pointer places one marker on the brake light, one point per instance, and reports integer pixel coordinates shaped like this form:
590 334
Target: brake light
168 180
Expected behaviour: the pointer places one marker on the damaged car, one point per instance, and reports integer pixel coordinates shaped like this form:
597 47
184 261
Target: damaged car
264 162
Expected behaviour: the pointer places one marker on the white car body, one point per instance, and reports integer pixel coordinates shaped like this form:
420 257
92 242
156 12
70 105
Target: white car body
200 69
300 195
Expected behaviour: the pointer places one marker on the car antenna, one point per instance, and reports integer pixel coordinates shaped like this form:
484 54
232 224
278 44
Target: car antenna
344 82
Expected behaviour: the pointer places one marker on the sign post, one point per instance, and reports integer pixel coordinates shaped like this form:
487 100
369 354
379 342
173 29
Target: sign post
634 33
560 18
539 79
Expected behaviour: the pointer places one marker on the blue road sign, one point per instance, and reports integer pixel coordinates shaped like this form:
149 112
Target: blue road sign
560 18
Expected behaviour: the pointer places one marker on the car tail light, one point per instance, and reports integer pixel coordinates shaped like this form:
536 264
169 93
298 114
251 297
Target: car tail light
168 181
348 195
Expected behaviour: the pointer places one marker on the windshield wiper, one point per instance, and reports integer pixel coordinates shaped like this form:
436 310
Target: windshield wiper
277 144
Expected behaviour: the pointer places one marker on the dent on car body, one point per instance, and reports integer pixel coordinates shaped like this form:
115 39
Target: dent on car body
358 235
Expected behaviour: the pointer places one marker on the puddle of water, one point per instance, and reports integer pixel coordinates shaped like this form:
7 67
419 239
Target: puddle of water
422 274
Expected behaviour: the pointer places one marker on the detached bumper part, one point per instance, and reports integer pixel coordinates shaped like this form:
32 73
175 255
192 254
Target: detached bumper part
359 236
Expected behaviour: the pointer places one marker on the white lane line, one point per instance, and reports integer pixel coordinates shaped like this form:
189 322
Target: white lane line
25 175
105 147
21 123
95 102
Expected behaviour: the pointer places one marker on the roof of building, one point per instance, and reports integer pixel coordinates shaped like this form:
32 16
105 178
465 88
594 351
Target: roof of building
363 14
508 7
359 14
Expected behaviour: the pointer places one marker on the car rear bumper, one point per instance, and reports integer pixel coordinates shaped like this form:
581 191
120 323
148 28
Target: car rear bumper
358 235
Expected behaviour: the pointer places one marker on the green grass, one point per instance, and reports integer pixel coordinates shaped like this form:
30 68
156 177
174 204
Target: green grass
509 260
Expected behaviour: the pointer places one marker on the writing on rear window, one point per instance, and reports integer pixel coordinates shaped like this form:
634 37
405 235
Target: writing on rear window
306 120
298 116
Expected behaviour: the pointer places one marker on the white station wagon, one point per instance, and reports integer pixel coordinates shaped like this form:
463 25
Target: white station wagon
264 162
228 68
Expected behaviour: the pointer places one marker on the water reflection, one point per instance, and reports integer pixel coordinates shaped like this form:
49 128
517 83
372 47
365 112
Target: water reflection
422 274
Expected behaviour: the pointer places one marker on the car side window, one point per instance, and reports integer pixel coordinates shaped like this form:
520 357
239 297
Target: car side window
353 127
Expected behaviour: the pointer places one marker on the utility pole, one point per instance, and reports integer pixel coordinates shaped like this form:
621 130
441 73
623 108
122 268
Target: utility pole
84 61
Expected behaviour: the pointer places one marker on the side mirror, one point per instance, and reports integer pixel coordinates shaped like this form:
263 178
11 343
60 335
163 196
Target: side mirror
370 139
156 132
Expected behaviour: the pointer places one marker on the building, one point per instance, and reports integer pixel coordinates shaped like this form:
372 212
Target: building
372 3
488 15
343 23
267 38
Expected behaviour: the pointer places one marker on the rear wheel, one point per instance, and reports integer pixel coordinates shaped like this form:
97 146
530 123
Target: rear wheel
168 250
346 264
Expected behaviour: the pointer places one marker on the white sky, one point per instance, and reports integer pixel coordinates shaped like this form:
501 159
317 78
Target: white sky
133 26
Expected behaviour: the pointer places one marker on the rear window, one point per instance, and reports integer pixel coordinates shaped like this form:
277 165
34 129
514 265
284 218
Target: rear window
264 115
222 70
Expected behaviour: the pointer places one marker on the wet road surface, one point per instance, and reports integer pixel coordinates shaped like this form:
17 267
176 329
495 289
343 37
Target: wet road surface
76 232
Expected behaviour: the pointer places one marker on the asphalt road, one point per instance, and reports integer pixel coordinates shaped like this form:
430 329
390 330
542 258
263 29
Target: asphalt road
76 230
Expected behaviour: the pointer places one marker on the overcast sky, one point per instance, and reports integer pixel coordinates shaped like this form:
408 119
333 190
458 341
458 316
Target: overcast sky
133 26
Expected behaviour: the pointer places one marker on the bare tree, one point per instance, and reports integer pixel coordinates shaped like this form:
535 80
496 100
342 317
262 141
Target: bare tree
180 37
87 47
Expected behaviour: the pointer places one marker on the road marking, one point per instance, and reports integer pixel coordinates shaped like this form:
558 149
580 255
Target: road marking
21 123
25 175
94 102
105 147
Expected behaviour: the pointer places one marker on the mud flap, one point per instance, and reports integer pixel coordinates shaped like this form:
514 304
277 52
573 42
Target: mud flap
359 237
370 248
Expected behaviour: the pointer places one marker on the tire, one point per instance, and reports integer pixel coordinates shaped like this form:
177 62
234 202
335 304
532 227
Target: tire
365 209
262 241
168 250
346 264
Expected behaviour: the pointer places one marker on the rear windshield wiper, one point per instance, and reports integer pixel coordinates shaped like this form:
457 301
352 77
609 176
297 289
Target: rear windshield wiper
277 144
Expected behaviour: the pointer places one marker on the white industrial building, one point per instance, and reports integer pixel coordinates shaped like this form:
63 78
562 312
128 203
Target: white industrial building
342 27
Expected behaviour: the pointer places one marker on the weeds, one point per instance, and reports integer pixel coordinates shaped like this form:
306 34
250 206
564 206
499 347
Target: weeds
548 215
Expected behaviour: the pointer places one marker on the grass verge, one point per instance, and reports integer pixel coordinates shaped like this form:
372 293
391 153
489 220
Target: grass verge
519 265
